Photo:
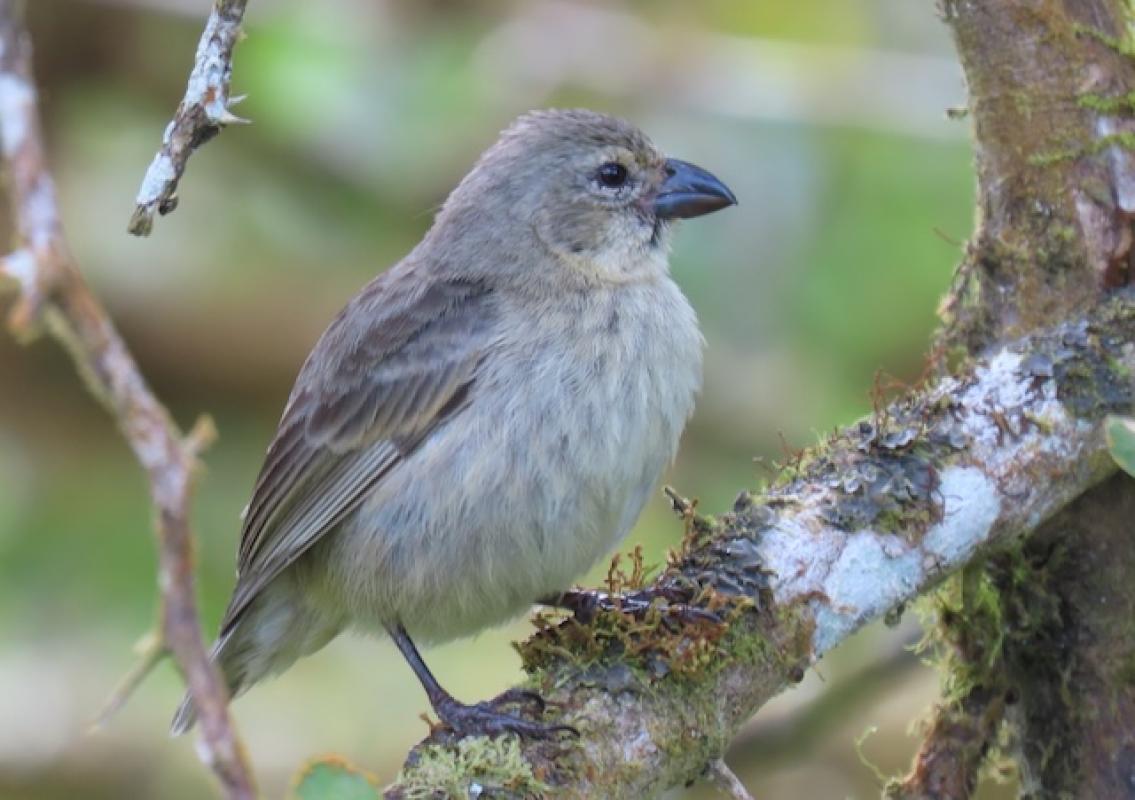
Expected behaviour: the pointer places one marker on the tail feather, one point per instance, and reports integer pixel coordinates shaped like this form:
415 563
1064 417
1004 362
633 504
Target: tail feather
184 718
267 638
186 715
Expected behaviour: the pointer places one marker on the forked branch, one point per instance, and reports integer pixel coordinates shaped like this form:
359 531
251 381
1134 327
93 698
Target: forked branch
52 294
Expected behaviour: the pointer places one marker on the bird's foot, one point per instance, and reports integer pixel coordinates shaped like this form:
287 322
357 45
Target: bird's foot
586 603
487 718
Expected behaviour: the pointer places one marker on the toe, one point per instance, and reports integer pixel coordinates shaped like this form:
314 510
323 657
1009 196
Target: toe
484 719
536 730
520 697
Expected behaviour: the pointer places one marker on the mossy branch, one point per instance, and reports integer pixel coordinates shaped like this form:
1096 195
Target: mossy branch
870 519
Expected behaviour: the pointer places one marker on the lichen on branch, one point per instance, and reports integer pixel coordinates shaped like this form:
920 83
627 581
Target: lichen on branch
205 109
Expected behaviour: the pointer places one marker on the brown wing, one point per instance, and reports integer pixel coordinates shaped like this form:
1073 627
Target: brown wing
395 363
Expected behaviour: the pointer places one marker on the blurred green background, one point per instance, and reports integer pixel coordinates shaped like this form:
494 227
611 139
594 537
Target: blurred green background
825 116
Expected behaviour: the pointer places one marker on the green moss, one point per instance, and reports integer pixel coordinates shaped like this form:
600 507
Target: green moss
1063 232
1122 46
1118 104
1126 671
1092 384
651 645
1052 157
1001 631
473 767
1122 139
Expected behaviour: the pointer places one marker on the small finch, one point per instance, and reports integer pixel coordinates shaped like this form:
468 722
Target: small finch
483 421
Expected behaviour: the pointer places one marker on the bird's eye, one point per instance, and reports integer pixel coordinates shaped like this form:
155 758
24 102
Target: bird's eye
612 175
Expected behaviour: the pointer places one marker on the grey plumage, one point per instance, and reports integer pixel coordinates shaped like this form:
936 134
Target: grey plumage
486 419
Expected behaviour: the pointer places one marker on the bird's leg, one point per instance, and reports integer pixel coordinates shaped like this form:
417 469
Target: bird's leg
584 604
480 718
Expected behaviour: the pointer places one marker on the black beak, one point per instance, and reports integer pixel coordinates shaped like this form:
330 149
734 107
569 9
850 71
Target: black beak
690 191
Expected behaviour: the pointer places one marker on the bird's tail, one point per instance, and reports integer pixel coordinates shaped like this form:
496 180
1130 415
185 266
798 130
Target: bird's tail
184 717
279 627
186 714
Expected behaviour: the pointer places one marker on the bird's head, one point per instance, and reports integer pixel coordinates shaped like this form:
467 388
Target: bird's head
590 188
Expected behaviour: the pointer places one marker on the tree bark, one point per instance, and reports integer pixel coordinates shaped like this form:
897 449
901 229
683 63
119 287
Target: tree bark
1069 655
1051 95
1050 85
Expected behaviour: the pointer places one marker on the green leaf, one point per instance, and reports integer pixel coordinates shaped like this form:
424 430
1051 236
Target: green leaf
334 779
1121 442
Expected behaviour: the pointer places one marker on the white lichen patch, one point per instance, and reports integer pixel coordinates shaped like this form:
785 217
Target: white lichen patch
639 748
1121 162
1015 422
848 578
971 505
851 578
159 175
797 557
1007 411
208 82
1009 415
997 390
17 99
40 212
635 740
204 751
872 573
20 266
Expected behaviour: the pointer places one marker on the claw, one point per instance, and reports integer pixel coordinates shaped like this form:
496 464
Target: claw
483 719
520 697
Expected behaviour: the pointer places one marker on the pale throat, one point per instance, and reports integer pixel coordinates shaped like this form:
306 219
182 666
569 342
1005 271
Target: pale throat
627 260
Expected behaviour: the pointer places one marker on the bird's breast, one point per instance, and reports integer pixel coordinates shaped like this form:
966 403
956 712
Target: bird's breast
594 394
571 421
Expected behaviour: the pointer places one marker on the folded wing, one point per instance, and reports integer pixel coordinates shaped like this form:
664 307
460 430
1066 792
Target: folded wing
395 364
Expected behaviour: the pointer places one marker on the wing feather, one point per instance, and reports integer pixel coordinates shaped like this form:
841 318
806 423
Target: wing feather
397 362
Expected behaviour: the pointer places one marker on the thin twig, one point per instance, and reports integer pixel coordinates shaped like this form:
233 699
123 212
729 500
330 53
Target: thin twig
965 725
150 649
52 291
719 774
951 755
203 111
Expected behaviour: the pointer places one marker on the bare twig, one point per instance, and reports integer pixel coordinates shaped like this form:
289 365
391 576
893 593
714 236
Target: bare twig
953 751
150 650
719 774
203 111
964 726
51 290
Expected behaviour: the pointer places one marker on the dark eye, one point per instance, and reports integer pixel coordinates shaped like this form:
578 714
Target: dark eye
612 175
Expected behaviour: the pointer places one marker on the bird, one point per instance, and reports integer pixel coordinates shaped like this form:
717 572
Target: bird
484 420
